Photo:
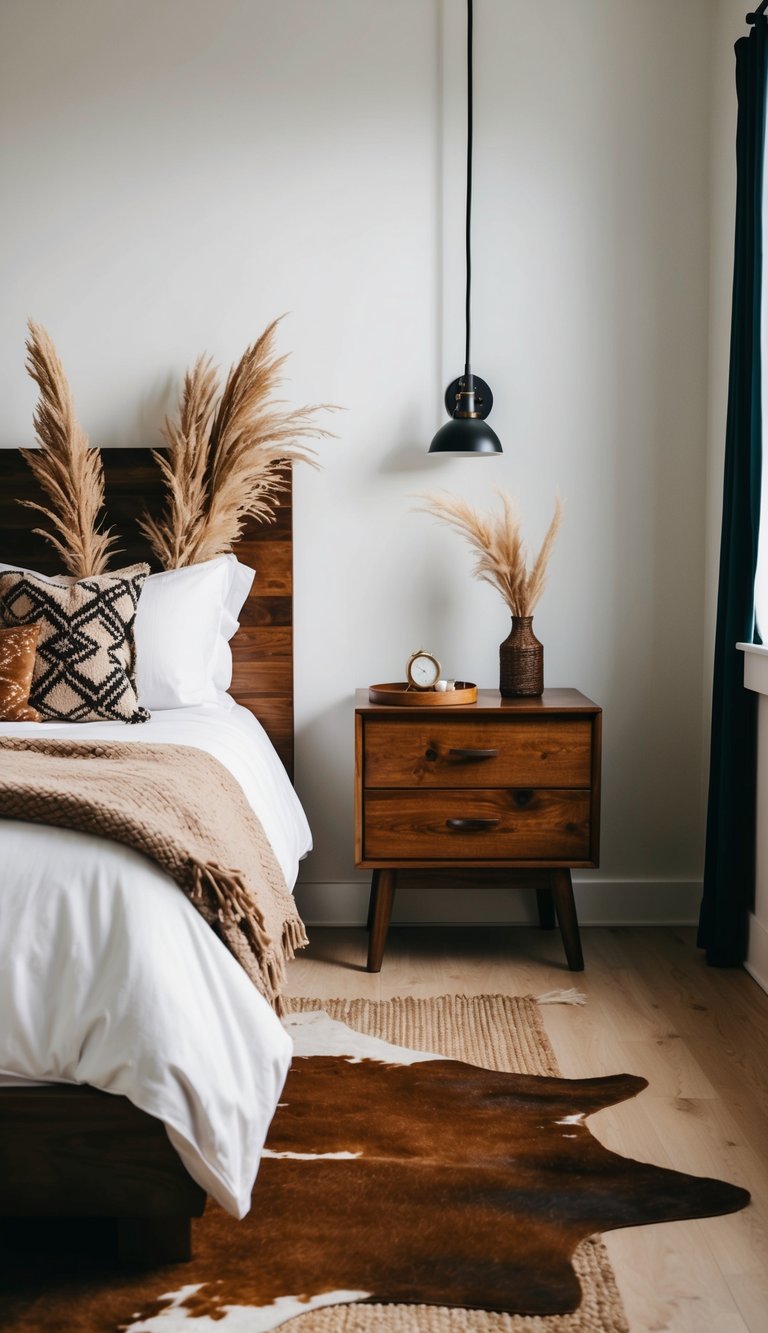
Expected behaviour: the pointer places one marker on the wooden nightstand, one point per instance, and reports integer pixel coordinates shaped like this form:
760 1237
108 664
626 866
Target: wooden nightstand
504 784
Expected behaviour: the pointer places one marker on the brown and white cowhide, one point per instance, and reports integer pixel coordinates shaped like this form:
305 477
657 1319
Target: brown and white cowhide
399 1176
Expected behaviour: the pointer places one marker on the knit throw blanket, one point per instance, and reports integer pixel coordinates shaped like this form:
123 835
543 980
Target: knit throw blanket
182 808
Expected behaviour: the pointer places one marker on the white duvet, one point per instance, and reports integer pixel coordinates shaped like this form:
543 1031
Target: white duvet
109 976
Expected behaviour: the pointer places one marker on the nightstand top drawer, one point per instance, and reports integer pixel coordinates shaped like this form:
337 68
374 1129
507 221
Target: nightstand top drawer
477 751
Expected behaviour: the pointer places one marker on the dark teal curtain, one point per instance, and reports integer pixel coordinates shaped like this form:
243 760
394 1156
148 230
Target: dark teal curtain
730 850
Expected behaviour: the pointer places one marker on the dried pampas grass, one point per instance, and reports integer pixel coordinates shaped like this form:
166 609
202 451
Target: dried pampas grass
66 467
226 461
173 536
501 557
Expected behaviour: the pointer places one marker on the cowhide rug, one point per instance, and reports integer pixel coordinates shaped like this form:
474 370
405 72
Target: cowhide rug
393 1175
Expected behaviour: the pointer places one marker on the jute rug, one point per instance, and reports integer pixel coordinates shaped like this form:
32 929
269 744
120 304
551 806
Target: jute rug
501 1032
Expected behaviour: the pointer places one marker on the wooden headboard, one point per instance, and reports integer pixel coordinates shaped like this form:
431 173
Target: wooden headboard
262 649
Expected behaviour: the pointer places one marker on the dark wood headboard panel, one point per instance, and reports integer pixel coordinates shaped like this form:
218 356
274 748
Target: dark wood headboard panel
262 649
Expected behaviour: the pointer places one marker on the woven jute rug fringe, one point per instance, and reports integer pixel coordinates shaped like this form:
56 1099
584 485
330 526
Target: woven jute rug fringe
502 1032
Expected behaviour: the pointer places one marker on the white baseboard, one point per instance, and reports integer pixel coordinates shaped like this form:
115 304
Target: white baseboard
599 902
757 957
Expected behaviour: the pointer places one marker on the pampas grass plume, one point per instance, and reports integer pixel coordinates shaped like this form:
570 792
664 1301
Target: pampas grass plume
67 469
226 459
497 542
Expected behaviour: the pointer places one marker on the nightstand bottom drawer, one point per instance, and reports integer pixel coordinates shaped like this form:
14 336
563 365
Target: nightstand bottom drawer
471 824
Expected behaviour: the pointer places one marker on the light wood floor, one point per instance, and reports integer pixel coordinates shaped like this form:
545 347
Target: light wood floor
698 1034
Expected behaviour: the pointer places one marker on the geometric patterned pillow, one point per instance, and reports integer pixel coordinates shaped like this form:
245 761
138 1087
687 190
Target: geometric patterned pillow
85 668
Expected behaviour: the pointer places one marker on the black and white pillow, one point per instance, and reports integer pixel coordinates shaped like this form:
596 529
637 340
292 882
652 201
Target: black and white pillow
85 667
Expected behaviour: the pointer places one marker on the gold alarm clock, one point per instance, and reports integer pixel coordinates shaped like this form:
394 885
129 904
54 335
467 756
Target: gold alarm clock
422 670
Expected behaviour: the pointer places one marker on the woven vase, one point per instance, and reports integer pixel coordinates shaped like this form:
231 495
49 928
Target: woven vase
521 660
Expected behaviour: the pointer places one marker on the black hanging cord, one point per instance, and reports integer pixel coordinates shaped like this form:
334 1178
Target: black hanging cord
467 369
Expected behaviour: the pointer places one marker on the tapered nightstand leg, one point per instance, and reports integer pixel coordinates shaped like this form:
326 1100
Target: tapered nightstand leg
372 900
382 896
546 909
562 892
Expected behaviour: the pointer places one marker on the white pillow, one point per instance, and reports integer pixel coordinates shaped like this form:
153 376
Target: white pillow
234 601
184 622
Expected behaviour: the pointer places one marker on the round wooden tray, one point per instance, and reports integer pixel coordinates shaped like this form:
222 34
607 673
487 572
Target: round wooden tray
400 694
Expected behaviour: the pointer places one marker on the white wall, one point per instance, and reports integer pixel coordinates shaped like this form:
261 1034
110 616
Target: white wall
176 172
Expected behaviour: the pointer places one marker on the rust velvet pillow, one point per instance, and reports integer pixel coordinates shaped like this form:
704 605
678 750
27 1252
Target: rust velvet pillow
17 661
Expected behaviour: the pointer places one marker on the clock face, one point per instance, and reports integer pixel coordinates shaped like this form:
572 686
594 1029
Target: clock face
423 670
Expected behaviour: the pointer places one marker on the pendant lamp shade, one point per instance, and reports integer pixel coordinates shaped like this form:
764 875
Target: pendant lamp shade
468 400
464 439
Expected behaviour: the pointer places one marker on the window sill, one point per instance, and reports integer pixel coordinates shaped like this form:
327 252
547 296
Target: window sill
755 666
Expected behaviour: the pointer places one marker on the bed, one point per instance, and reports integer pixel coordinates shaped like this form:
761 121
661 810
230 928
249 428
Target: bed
132 1150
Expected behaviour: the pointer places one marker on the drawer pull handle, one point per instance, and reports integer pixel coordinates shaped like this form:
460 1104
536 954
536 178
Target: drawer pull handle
472 825
460 753
523 797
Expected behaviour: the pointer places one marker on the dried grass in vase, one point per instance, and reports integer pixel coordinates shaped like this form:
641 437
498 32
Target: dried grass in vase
227 453
68 469
497 540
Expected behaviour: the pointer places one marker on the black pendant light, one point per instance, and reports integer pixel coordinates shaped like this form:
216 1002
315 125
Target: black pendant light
468 400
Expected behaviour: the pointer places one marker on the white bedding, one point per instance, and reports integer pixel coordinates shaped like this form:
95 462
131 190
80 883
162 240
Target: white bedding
109 976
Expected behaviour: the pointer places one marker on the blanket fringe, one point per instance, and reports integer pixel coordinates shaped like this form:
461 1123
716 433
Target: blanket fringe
227 897
294 936
570 996
231 900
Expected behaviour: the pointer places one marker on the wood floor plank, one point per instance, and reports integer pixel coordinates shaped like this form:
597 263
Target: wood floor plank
585 1046
653 1007
669 1065
750 1292
668 1283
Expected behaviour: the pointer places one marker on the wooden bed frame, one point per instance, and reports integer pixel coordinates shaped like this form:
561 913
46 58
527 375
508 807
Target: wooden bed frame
74 1151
